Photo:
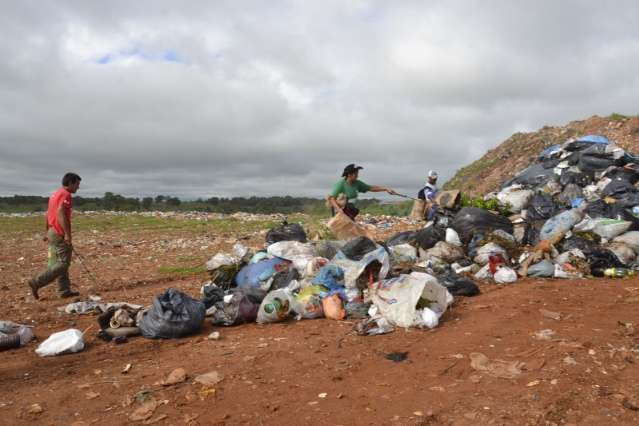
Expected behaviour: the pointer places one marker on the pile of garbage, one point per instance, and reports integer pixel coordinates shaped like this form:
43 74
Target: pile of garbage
578 208
573 214
377 283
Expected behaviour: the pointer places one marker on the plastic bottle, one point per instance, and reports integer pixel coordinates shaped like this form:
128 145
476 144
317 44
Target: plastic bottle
275 306
619 272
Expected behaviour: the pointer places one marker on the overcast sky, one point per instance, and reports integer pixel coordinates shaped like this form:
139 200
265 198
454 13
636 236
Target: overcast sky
225 98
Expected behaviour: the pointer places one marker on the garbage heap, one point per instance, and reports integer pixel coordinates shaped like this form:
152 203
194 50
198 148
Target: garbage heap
572 214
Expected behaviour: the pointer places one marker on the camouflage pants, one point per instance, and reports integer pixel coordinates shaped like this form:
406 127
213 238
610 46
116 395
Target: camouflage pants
58 265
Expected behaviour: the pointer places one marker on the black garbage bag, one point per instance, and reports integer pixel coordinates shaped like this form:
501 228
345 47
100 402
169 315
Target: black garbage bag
406 237
458 285
575 178
618 188
173 314
601 259
212 294
464 262
586 245
284 277
621 210
473 220
596 159
286 232
532 231
241 309
427 237
474 244
623 213
534 176
629 174
599 208
444 217
550 163
224 276
629 199
541 207
578 145
591 163
357 248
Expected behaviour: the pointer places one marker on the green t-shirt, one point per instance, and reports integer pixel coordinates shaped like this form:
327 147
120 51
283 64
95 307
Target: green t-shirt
348 189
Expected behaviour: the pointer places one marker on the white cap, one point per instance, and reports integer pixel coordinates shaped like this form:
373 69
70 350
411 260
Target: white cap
432 174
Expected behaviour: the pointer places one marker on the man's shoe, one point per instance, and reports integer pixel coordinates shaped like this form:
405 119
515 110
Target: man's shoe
34 289
69 293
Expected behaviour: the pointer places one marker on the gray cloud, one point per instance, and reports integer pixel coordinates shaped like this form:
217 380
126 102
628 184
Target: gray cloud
254 98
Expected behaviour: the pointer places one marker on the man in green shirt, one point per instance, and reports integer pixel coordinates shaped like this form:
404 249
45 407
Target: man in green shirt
347 188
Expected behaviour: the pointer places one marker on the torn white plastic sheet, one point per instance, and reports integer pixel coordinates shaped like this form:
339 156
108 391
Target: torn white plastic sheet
397 299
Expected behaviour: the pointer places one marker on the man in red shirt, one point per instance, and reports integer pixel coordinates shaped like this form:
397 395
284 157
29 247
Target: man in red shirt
58 234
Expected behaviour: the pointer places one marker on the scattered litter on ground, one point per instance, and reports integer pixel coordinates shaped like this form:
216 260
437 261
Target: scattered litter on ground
496 368
396 356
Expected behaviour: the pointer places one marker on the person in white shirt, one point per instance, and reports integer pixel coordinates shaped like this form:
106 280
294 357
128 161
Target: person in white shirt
428 194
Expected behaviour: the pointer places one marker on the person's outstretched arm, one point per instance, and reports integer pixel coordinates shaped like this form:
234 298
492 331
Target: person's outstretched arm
382 189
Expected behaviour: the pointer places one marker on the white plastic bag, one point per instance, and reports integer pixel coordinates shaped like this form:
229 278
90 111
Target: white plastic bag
71 340
484 252
484 273
222 259
630 238
396 299
562 273
624 252
452 237
275 307
590 193
515 196
427 317
403 253
610 228
444 251
314 265
505 275
298 253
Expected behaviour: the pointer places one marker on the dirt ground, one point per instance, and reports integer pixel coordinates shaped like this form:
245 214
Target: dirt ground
314 371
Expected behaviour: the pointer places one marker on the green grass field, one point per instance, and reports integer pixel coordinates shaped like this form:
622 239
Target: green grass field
14 226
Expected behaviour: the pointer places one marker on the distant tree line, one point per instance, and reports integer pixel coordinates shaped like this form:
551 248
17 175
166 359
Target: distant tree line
117 202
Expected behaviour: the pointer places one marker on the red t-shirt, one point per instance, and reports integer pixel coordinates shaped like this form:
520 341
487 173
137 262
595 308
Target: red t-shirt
61 197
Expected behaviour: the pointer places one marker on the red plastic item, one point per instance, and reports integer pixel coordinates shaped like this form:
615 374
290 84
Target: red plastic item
494 260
